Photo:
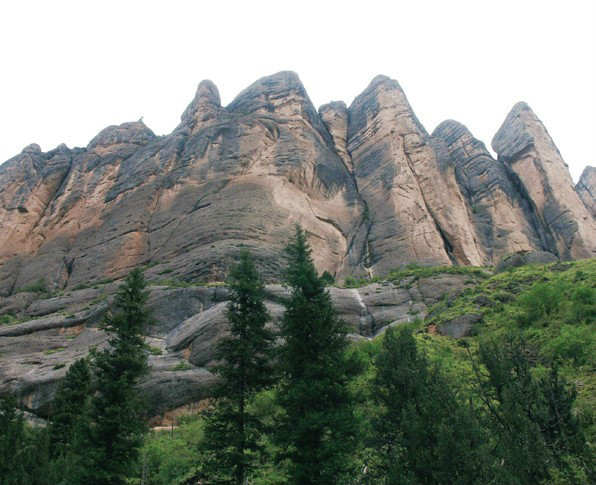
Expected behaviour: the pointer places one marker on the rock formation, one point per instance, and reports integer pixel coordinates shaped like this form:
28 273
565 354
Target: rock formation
374 190
503 219
586 188
523 143
36 354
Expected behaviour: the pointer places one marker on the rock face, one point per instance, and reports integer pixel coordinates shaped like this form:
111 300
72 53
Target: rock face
373 189
523 143
503 218
415 209
586 188
35 354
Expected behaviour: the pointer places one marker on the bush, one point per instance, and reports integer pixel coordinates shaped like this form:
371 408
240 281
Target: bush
542 301
40 286
172 457
583 305
327 278
573 343
182 366
8 319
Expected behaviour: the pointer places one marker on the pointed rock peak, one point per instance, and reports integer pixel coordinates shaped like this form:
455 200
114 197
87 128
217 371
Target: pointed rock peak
382 94
588 179
134 132
382 82
205 105
457 136
333 107
207 92
279 83
381 91
32 148
514 135
452 131
59 150
282 92
449 126
589 171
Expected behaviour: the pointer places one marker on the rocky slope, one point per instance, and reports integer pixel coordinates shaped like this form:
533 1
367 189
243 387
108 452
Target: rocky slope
54 331
367 181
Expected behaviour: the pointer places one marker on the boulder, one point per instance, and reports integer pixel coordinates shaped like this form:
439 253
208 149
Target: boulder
523 258
460 326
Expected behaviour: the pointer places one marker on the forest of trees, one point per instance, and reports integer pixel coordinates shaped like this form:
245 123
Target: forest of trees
303 405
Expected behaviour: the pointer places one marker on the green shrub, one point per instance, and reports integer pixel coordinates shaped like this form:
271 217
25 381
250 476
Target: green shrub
40 286
182 366
541 302
327 278
153 350
574 343
173 456
583 305
8 319
53 351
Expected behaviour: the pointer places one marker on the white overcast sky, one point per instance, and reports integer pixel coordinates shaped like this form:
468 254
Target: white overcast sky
70 69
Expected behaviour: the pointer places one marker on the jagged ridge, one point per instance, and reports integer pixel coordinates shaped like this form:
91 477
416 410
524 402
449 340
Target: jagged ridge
374 189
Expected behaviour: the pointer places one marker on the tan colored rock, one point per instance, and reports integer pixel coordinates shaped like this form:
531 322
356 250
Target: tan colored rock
225 178
586 188
503 218
335 117
524 144
416 210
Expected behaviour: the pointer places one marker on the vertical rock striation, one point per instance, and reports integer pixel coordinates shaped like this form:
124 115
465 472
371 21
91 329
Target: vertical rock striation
417 212
524 144
374 190
586 188
503 219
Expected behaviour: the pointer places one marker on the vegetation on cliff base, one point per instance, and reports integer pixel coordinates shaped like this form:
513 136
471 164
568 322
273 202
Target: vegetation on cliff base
512 402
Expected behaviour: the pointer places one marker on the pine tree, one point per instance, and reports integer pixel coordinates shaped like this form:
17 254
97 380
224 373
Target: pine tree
69 405
114 425
12 437
317 429
245 368
424 433
538 437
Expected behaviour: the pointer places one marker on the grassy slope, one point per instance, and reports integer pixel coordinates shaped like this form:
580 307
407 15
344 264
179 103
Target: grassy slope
553 306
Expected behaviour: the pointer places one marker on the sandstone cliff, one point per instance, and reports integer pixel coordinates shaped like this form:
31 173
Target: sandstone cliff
586 188
368 182
523 143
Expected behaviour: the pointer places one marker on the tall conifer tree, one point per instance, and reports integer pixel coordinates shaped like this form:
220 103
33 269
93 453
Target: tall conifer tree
69 406
245 368
317 429
115 424
424 434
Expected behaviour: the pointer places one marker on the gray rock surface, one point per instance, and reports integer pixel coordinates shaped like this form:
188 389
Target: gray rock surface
523 143
460 326
370 185
522 258
188 323
586 188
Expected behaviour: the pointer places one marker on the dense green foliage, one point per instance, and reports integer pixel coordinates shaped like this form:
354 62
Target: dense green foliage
245 367
70 405
513 402
316 431
430 409
97 424
423 432
114 426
